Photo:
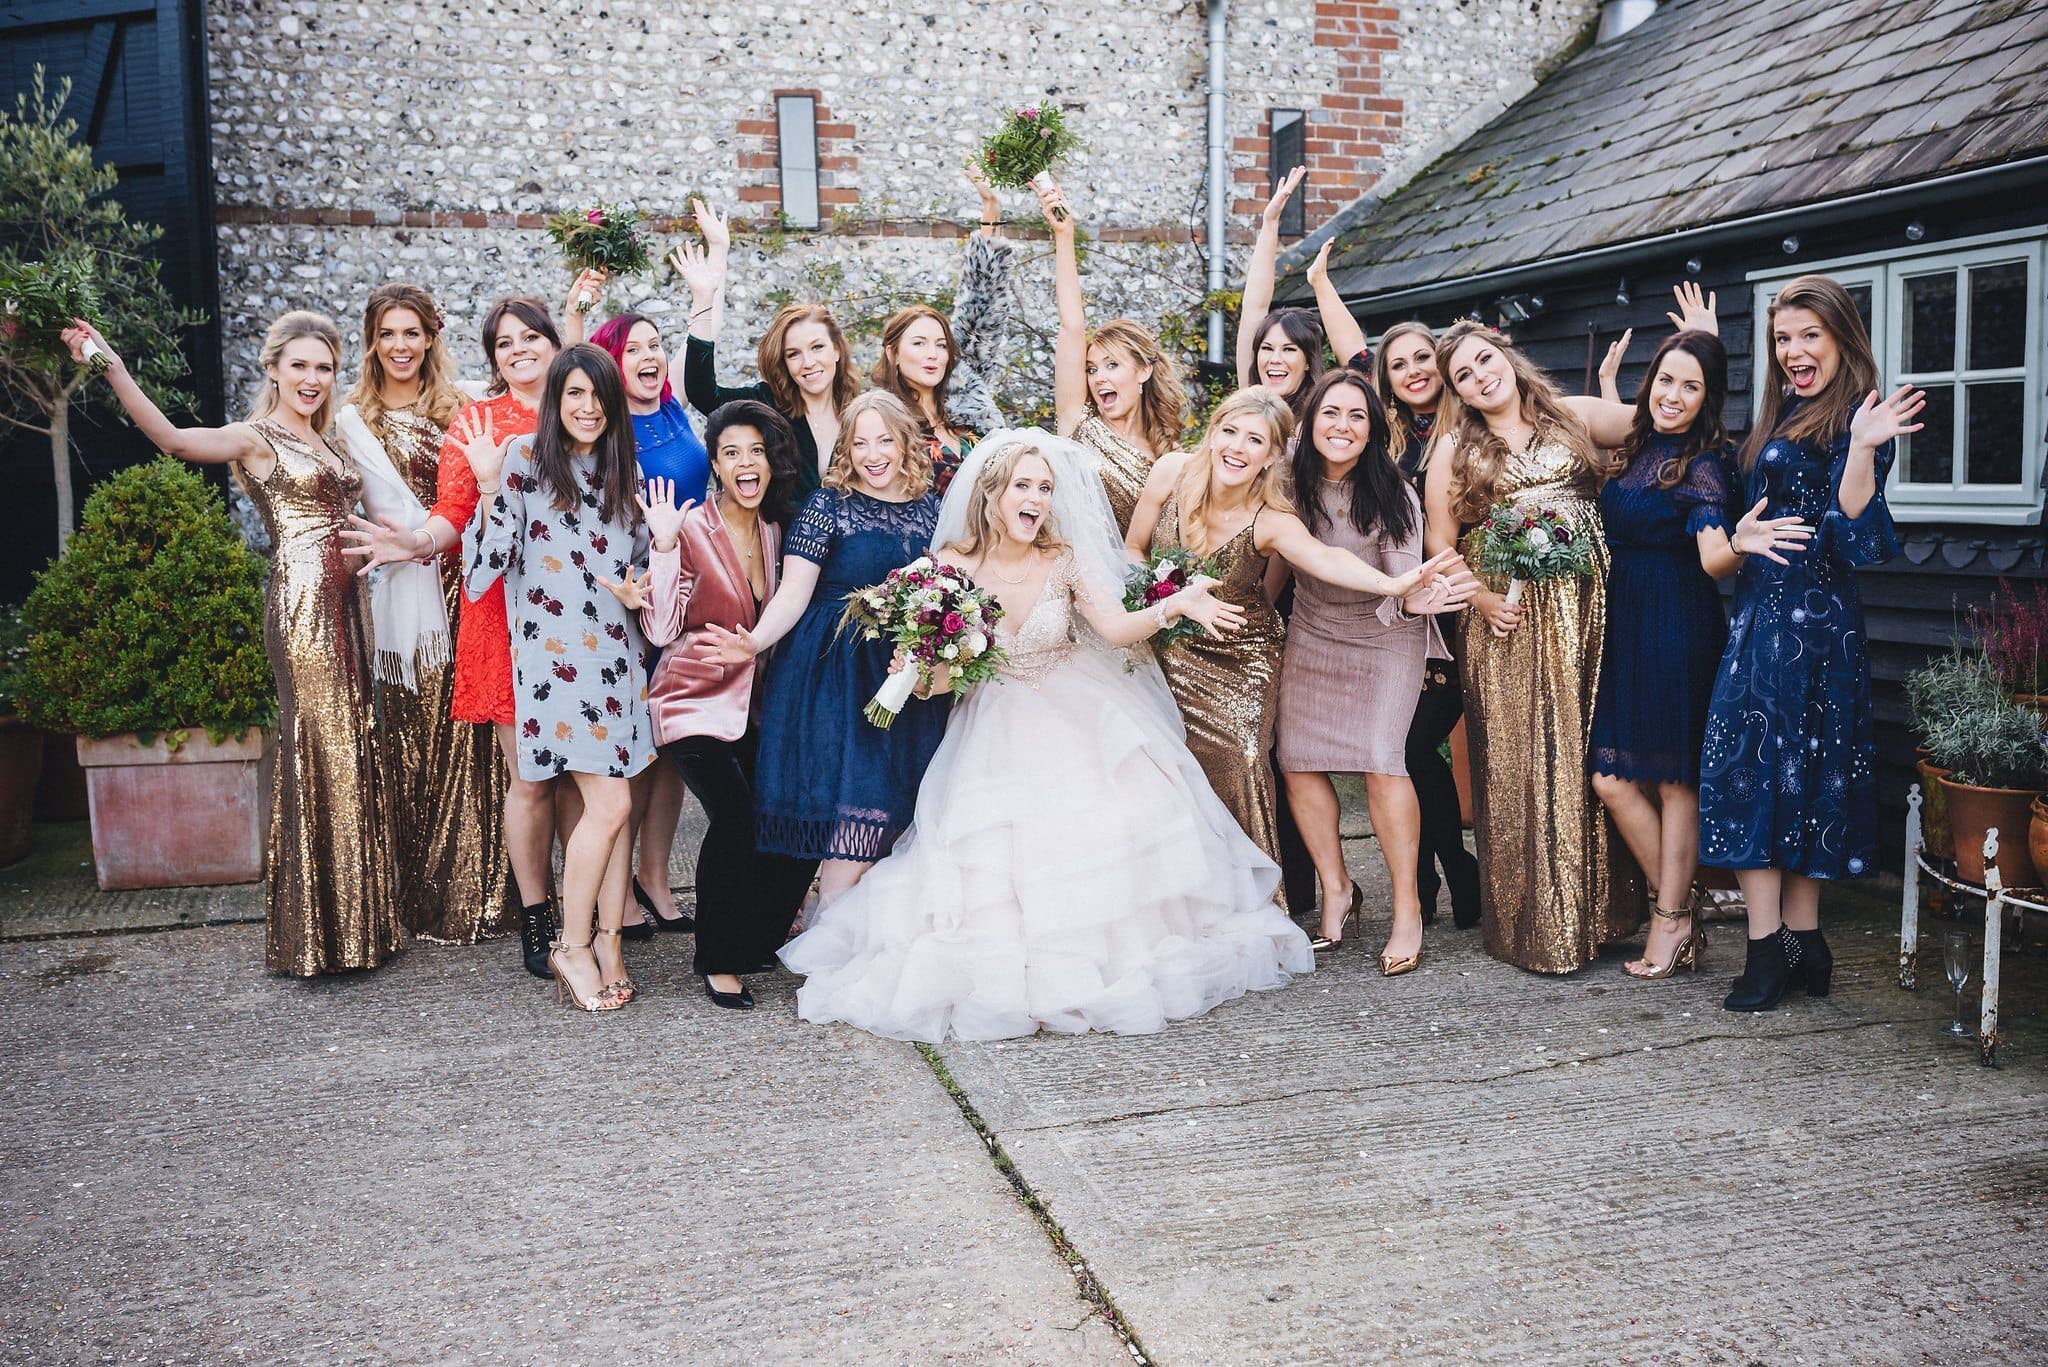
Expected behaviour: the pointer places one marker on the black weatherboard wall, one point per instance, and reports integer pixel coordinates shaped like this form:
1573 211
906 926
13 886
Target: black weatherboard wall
138 74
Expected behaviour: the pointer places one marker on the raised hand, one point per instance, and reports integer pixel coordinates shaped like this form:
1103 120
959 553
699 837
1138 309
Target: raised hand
1610 367
1269 220
1694 313
664 517
1881 420
716 228
1059 215
1319 269
587 289
387 541
991 207
631 592
83 340
1199 604
703 271
728 647
1756 534
485 454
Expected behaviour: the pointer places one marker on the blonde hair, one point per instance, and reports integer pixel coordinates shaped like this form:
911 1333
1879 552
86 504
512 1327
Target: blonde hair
774 366
1400 418
1269 486
1162 408
289 328
989 484
1478 455
910 440
439 398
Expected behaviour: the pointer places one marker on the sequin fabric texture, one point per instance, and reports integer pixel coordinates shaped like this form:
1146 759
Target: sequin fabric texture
1788 776
1546 889
1123 467
441 781
328 883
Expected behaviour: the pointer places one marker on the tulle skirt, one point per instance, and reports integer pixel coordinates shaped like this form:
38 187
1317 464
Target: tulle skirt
1068 869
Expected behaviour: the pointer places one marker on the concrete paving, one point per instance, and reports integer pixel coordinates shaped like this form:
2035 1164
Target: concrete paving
433 1163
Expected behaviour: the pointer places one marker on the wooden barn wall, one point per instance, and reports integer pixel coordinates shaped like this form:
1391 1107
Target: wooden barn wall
1920 601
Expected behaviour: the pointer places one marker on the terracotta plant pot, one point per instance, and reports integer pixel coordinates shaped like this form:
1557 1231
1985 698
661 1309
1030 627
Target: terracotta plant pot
175 818
2037 835
1972 811
21 765
1934 825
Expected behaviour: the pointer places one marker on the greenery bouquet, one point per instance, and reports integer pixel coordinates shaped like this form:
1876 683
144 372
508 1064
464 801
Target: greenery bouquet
1030 141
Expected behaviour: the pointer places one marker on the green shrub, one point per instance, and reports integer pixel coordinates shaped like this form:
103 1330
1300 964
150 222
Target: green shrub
152 620
1950 683
13 649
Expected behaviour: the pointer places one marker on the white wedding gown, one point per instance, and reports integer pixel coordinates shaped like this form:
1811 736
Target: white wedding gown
1068 869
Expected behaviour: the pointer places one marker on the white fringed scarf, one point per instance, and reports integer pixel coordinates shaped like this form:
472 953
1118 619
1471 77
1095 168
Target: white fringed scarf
408 616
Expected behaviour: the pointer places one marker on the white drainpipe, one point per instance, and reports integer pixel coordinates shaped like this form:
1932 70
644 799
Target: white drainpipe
1219 172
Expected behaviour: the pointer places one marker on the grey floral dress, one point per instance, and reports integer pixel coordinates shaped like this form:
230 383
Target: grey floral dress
579 685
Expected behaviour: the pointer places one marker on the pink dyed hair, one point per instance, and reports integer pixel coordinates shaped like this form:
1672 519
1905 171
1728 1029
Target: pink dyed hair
611 335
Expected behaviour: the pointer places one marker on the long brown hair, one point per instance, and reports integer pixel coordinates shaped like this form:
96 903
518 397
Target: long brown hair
989 483
1400 418
527 310
902 424
439 398
1269 486
289 328
1380 496
774 366
1706 432
887 376
618 471
1162 407
1478 454
1824 417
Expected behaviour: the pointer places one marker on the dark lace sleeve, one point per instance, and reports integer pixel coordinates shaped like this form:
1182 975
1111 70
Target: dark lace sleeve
816 529
1703 494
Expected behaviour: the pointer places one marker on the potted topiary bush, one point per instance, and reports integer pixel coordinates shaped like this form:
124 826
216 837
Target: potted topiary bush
146 641
21 745
1997 760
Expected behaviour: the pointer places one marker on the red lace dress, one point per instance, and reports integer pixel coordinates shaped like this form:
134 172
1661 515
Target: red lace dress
483 640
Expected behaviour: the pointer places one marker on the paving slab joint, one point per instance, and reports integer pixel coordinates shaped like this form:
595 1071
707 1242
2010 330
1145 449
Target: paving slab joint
1086 1284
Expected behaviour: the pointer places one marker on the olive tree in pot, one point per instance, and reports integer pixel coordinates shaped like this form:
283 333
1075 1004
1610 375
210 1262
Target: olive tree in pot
146 641
1997 760
21 745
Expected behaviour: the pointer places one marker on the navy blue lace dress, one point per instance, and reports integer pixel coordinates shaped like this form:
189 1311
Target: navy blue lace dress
1788 774
830 785
1665 626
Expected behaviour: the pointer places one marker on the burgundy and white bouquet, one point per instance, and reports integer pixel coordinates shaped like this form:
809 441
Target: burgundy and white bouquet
1033 138
943 627
1161 576
603 238
1530 545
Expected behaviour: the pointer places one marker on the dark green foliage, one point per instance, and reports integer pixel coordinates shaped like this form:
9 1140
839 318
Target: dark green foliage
1028 143
604 238
13 650
152 620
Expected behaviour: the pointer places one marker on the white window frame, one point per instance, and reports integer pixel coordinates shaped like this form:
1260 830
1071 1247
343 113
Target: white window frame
2009 505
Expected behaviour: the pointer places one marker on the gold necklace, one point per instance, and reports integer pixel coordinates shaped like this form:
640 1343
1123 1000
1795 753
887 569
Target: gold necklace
990 565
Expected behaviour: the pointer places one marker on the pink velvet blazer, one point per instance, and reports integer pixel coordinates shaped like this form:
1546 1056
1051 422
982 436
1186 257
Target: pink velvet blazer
701 583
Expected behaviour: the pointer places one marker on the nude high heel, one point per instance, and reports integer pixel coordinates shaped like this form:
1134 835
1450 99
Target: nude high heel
602 1000
1322 944
1687 955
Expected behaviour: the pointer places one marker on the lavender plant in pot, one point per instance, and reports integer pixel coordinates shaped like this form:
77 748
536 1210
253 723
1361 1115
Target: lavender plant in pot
1935 692
1997 760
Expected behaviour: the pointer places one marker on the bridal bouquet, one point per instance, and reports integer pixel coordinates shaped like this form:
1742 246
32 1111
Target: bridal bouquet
1158 579
603 238
41 300
1530 545
1026 146
939 622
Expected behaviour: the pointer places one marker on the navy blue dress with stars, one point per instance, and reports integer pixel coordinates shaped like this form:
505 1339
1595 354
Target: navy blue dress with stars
1788 774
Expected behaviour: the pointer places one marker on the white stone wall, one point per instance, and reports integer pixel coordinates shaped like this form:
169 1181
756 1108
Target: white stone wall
530 106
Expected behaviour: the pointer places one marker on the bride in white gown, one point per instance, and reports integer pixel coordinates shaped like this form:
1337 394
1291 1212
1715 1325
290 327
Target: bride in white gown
1069 868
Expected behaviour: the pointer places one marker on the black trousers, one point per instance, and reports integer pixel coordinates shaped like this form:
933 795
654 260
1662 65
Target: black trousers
1436 792
746 899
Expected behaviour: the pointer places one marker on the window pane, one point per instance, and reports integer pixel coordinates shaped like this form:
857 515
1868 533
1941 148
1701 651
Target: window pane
796 148
1284 152
1930 321
1998 316
1993 438
1929 456
1861 295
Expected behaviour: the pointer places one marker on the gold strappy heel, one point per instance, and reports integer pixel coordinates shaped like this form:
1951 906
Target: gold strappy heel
1322 944
602 1000
1687 955
620 988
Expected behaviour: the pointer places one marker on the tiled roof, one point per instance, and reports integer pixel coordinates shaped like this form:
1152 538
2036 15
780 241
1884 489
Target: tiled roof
1713 110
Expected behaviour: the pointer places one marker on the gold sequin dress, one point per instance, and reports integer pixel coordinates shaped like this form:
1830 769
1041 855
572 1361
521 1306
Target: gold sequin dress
328 885
442 781
1549 896
1123 467
1229 688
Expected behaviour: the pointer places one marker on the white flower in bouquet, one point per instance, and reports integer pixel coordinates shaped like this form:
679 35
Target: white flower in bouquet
874 600
923 562
951 652
1162 571
974 643
1537 537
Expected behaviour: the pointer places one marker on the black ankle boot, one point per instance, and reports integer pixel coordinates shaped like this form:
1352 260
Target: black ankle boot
1461 871
1812 963
1764 976
536 932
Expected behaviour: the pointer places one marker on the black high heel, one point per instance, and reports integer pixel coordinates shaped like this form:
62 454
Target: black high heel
1461 871
1765 975
681 921
1812 962
536 938
742 1000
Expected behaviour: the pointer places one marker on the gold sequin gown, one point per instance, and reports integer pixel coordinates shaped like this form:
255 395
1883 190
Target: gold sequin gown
1229 688
1548 893
328 884
442 781
1123 467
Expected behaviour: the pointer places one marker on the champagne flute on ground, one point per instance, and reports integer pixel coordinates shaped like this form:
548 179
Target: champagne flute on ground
1955 959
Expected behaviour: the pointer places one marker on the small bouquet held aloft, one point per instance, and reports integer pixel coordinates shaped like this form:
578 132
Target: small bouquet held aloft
38 300
941 624
1158 579
604 238
1530 545
1026 146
